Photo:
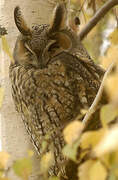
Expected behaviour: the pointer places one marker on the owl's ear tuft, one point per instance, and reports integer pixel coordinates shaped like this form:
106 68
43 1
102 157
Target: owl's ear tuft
59 19
20 22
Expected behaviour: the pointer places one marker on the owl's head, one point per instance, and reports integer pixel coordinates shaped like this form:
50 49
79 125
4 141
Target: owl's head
37 46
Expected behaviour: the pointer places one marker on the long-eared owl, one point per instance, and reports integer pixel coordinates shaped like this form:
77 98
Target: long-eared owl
52 78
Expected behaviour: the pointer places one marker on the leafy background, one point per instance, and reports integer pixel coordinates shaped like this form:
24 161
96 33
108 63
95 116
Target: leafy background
98 150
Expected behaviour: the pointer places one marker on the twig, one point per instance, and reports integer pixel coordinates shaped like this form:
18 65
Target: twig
92 109
96 18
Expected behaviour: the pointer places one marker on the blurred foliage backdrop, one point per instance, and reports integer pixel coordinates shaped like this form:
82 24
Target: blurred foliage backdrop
98 150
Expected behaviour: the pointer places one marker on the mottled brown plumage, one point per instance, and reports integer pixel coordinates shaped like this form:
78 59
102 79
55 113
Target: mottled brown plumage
52 78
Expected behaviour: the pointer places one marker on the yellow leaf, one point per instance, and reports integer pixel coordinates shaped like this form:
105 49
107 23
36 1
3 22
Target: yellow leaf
6 48
72 131
112 55
46 162
3 159
109 142
111 86
108 113
92 170
83 172
113 37
97 171
1 96
90 139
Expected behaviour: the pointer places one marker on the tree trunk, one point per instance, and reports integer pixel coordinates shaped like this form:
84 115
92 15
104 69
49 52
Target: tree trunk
14 137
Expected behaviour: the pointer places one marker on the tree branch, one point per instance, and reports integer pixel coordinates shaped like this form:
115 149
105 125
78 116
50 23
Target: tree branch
92 109
97 17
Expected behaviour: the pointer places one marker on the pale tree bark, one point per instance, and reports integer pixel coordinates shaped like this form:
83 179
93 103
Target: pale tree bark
14 137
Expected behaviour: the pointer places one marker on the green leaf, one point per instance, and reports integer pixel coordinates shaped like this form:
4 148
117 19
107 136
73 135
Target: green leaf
112 177
70 151
108 114
23 168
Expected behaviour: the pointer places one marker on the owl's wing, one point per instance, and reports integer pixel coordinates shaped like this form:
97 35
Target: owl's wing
81 53
46 134
46 100
88 76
